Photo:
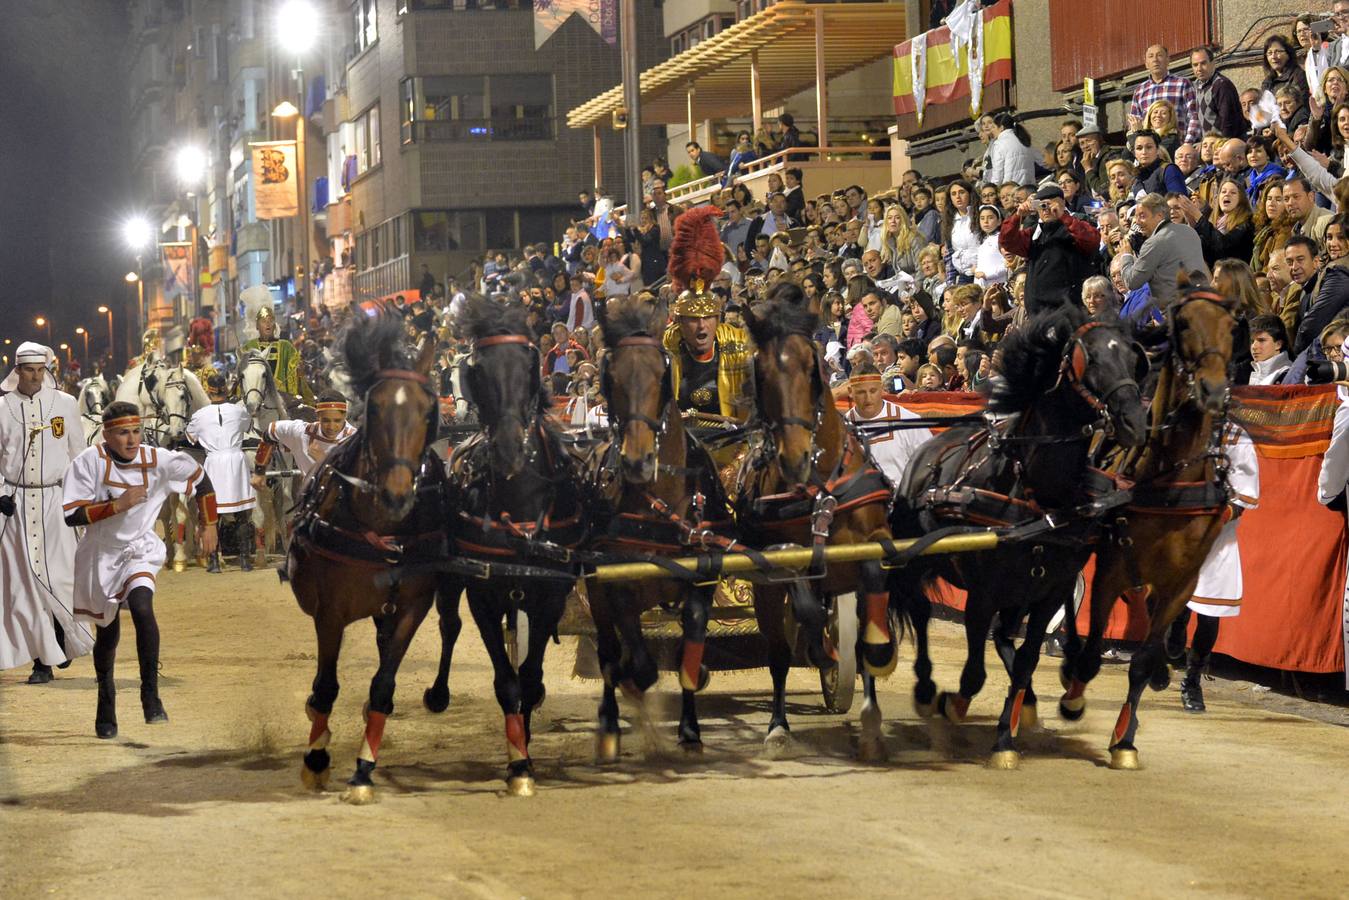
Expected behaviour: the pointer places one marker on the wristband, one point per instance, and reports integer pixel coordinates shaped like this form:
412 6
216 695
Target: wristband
97 512
206 506
263 454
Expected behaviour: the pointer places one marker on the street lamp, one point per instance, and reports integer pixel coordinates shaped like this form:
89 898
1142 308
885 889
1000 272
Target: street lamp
84 333
69 359
112 352
287 110
139 235
297 27
43 321
189 164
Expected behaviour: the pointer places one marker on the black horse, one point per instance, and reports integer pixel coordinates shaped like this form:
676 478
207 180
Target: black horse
1060 376
519 510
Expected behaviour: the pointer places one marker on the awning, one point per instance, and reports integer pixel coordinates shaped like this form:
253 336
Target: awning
781 38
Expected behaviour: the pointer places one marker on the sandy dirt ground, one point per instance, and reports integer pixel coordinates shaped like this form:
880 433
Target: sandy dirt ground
1241 802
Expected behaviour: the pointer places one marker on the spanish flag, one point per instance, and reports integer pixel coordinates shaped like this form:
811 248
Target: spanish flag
944 76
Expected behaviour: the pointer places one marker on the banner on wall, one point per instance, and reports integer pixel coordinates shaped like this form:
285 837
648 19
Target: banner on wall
275 180
600 15
981 42
177 269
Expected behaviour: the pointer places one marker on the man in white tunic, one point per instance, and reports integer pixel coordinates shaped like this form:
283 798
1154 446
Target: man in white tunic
891 450
308 442
40 433
115 490
1217 595
220 428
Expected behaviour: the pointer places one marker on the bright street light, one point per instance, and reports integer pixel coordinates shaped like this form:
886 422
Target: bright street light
296 26
138 233
131 277
84 333
285 110
44 322
190 164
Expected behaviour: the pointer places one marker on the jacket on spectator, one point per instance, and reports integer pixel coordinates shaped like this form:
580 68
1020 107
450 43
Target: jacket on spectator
1058 258
1171 249
1239 243
1271 371
1009 160
1332 298
964 246
1160 178
929 225
710 164
1220 107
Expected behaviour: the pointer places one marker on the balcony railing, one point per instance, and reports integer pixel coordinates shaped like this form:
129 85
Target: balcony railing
496 129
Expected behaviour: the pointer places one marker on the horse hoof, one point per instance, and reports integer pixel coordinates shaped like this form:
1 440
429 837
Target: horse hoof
871 750
691 748
779 743
520 786
1030 717
359 794
1004 760
1072 709
606 747
879 659
179 565
314 781
1124 760
436 701
925 710
953 707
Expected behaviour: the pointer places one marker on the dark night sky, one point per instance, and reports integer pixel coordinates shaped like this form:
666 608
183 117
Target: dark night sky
63 172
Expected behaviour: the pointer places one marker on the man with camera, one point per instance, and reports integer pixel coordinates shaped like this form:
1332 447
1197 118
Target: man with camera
1060 250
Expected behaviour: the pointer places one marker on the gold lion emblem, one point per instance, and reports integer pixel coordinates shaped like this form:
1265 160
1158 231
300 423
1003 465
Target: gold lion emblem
58 426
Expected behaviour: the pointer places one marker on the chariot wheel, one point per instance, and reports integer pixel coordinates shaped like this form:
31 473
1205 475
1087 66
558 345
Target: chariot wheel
839 681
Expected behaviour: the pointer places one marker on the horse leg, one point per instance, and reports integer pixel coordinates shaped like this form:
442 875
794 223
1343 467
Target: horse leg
870 745
768 610
693 675
879 650
436 698
1080 668
328 629
912 601
1019 708
397 630
978 614
506 682
609 651
640 673
543 619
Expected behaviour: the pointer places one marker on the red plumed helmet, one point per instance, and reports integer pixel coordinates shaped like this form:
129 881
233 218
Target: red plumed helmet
696 252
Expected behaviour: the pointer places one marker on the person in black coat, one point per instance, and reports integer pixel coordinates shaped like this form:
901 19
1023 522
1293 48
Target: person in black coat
1060 250
1227 232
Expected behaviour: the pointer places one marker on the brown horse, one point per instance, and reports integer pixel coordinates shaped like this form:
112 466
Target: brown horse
1179 506
812 483
375 505
662 498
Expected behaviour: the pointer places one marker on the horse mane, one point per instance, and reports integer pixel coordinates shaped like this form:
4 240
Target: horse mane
1030 358
480 317
627 319
371 344
785 313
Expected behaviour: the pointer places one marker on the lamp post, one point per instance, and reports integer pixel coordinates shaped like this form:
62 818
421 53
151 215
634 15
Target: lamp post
135 278
189 163
297 24
84 333
112 351
43 321
69 359
139 235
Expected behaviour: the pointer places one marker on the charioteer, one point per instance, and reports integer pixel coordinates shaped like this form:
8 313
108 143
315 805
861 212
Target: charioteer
709 359
309 443
281 355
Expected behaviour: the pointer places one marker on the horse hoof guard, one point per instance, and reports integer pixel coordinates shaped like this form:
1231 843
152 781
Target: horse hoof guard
359 794
1125 760
1004 759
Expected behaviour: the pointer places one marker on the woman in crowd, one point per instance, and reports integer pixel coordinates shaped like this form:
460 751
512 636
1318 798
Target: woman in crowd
1070 182
1272 228
859 323
740 156
962 235
646 242
1259 157
741 194
1161 119
1100 298
989 267
1228 230
1320 125
1011 157
1280 65
1120 173
1153 173
1292 108
832 321
931 275
874 224
996 315
988 194
899 242
812 286
927 321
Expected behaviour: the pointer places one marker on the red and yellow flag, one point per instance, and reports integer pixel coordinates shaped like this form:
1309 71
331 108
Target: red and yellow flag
947 77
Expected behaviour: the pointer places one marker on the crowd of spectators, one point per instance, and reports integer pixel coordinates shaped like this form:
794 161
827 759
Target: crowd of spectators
924 280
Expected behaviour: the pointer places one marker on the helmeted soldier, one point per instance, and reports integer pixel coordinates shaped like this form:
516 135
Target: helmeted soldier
281 355
710 360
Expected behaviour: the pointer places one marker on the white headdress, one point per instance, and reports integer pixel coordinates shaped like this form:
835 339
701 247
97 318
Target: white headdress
30 352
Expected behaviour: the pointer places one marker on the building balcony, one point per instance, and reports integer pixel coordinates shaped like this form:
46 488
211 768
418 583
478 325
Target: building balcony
501 128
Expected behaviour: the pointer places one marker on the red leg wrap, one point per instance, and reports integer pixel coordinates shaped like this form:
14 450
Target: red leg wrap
878 619
516 748
374 734
1075 690
961 705
1016 711
1122 723
690 667
318 730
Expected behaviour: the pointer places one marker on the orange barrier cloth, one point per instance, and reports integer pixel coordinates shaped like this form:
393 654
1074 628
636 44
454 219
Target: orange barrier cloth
1293 549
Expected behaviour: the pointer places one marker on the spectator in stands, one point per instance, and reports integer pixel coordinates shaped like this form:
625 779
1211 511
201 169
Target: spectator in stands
1011 158
775 219
961 231
646 239
1307 218
789 135
1059 250
989 267
1292 108
1302 257
1332 289
1187 160
1217 100
663 213
703 162
1075 195
1166 249
735 228
927 319
1269 350
1161 85
794 192
900 243
1153 174
1091 146
741 155
1100 298
1272 228
1261 167
884 315
1120 173
1228 230
925 217
1161 121
1280 65
1137 307
1320 124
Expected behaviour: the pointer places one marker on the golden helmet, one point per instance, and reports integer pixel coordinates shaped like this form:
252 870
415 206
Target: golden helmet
264 312
697 301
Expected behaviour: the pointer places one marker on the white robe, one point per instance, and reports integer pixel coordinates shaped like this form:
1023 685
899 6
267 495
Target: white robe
1218 592
122 551
892 450
306 442
39 436
220 428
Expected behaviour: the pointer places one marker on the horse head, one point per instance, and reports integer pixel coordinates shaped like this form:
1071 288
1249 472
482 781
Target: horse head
1105 368
636 383
256 386
501 378
175 403
1201 322
791 389
401 411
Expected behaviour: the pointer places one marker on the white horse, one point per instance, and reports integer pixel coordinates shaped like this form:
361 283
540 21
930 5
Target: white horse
167 396
95 394
259 394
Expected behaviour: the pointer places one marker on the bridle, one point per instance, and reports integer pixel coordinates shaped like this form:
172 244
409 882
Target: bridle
414 466
1073 369
1188 368
772 429
657 426
263 393
163 415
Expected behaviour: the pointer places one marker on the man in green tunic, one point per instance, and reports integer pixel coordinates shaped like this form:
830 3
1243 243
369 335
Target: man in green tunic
281 355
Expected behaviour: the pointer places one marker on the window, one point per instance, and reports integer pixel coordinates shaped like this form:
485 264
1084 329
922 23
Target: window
366 139
365 32
476 107
463 5
690 37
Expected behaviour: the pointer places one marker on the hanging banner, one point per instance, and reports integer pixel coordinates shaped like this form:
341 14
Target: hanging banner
177 269
601 15
918 63
275 183
948 58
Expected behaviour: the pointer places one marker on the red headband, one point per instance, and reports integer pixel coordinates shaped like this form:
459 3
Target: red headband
122 422
332 404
